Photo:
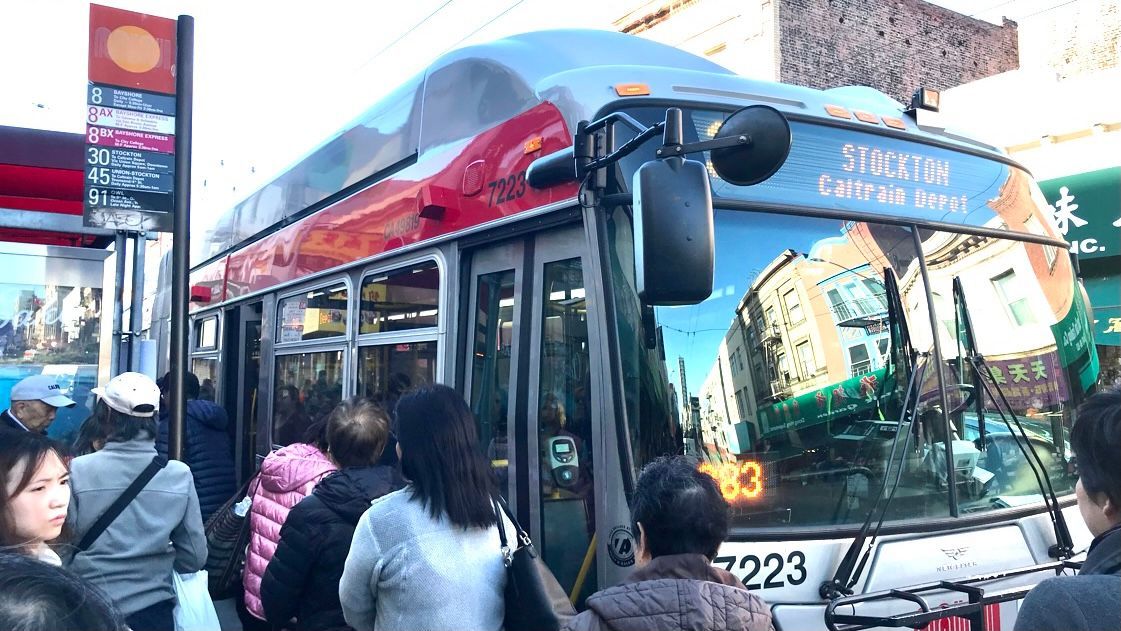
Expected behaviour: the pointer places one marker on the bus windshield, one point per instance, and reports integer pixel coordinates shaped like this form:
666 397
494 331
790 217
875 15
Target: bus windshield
788 383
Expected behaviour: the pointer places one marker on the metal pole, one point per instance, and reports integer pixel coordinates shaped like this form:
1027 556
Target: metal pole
180 249
118 305
136 316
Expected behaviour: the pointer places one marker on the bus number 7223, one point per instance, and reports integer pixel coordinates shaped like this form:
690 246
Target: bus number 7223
772 562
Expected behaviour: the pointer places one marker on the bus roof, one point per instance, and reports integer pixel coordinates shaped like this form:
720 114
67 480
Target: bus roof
472 89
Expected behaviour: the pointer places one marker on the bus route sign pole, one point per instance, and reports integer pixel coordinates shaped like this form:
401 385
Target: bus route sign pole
137 172
184 91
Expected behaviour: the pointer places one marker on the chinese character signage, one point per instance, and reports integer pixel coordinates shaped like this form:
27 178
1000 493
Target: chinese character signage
1087 211
1031 381
857 394
130 121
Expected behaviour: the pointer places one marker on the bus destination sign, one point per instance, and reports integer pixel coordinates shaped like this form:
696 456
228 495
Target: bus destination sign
852 171
130 121
892 178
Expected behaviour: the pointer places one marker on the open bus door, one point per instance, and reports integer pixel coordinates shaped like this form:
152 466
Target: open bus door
241 362
528 379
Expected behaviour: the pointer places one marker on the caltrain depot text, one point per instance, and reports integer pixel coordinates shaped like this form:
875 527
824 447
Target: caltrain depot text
906 168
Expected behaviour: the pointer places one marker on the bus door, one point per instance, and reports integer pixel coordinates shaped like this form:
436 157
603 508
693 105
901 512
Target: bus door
241 362
528 379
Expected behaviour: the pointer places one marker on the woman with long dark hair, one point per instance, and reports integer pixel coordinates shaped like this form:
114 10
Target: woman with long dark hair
428 556
34 494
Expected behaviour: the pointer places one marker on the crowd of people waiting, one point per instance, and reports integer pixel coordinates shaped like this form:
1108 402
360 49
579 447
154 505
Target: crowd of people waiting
359 527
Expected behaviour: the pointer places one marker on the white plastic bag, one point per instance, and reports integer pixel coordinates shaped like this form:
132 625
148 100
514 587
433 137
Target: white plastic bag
194 610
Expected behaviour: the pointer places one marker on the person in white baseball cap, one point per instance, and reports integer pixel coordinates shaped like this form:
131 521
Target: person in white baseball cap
130 559
34 403
131 393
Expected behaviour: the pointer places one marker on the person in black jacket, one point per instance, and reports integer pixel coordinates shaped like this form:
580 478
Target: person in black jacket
1092 599
302 579
206 445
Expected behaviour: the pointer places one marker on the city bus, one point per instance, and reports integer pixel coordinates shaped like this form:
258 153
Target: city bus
865 328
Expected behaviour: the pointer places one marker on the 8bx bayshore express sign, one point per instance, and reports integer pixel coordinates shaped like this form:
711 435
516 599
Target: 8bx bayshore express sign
130 121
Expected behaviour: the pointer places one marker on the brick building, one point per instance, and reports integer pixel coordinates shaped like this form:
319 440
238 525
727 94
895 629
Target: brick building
893 46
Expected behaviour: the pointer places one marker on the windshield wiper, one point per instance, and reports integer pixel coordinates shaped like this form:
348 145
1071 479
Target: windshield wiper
967 341
982 377
1064 546
903 357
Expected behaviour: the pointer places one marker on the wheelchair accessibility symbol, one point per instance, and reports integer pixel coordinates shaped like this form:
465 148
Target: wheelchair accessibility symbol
621 546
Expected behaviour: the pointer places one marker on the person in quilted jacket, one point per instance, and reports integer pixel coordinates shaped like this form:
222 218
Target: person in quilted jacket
302 580
207 447
288 475
681 519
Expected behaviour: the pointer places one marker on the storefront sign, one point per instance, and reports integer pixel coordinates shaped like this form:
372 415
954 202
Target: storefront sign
831 402
1087 211
1030 381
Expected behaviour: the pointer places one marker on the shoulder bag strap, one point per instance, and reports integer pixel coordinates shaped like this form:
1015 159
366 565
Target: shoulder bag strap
119 505
523 536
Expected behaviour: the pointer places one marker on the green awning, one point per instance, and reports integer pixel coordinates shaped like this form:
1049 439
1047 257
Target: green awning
837 400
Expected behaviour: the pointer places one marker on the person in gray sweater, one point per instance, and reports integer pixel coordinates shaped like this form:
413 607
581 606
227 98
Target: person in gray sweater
158 532
428 556
1090 601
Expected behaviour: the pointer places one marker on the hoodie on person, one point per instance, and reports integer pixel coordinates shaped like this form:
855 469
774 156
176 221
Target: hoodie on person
207 451
287 476
675 592
302 579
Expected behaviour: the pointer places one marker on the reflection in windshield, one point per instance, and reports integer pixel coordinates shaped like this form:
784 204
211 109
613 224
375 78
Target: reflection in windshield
787 382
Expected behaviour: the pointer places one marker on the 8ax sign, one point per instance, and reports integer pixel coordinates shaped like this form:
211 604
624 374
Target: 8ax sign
130 121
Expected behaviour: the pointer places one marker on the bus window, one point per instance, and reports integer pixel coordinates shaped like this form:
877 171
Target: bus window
318 314
308 387
206 333
565 427
387 371
206 369
401 300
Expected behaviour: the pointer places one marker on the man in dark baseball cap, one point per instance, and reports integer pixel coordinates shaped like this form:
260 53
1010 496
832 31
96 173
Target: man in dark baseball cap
35 401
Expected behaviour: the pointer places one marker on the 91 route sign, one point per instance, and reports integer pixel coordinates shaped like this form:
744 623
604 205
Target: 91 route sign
130 121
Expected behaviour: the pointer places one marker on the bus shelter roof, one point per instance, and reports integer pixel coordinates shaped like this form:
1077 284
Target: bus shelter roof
41 188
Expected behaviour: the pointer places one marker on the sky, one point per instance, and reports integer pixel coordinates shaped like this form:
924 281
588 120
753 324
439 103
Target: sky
274 79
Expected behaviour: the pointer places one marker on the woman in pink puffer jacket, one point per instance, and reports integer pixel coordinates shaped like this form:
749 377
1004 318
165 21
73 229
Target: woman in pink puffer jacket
287 476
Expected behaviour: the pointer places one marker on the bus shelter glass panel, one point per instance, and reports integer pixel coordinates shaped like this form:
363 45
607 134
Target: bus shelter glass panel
55 330
387 371
490 371
401 300
308 387
316 315
206 369
565 446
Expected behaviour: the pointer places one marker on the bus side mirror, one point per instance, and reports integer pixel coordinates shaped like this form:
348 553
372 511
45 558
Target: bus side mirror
767 135
673 235
674 243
